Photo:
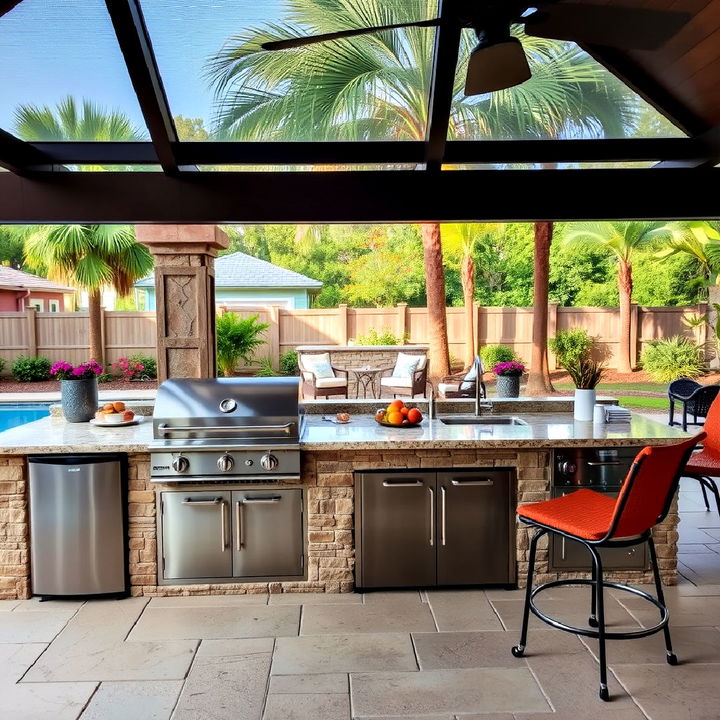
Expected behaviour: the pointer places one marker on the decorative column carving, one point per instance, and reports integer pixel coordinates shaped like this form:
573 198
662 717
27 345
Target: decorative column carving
185 296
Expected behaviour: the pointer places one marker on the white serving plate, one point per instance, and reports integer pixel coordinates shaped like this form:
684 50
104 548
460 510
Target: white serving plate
137 419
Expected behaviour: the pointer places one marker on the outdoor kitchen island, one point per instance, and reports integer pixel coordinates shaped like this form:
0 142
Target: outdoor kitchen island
330 455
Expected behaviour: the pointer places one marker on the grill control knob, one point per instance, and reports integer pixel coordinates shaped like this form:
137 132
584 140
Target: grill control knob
567 468
268 462
225 463
180 464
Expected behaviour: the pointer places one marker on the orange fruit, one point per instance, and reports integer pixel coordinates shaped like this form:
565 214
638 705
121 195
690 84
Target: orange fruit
396 404
404 411
414 416
380 415
394 418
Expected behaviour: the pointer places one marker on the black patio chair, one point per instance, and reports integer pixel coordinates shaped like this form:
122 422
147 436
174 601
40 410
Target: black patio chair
695 398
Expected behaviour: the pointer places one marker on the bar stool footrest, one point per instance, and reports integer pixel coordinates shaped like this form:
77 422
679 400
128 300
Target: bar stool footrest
587 632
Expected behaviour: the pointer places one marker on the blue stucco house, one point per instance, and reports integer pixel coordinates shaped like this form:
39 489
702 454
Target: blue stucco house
241 279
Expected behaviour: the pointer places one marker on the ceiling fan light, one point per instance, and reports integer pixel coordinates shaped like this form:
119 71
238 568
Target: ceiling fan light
496 66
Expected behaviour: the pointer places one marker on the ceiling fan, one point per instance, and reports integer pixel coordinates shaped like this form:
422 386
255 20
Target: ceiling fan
498 60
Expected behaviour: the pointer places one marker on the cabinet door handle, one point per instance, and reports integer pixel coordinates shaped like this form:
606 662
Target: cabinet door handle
223 526
238 526
411 483
442 516
256 501
593 463
214 501
484 481
432 516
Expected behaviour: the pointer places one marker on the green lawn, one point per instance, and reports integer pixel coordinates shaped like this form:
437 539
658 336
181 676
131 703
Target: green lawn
640 401
609 388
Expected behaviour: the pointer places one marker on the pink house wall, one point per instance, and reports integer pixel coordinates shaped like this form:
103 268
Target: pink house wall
14 300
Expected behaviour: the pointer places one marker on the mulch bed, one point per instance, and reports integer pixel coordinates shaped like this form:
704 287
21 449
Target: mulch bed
8 385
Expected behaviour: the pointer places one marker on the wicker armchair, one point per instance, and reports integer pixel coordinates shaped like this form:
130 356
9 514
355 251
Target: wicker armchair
394 380
695 398
464 384
316 384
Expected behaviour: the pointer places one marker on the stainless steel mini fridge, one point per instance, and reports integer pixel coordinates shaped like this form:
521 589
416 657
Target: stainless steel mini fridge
78 524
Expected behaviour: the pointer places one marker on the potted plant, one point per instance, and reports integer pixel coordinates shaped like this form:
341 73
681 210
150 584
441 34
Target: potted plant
508 378
586 374
78 389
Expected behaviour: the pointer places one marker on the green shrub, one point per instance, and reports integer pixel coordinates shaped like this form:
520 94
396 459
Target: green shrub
31 369
266 368
380 337
289 363
149 364
491 355
672 358
107 377
237 338
570 346
2 364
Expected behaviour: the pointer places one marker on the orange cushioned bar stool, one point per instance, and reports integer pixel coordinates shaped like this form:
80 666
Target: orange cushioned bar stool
705 465
599 521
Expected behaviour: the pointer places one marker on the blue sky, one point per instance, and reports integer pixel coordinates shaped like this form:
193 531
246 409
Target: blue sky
52 48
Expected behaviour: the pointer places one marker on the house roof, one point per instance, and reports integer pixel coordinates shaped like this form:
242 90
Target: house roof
10 279
238 270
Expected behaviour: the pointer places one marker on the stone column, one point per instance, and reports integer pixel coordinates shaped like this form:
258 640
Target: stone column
185 296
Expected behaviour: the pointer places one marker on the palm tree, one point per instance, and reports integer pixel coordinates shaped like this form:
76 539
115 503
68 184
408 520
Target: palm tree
623 239
375 87
461 240
87 256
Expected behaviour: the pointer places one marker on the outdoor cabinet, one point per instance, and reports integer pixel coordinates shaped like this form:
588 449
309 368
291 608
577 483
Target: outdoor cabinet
230 535
434 528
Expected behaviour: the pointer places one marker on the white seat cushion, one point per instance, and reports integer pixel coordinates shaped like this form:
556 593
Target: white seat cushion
405 365
471 376
318 364
404 382
330 382
444 388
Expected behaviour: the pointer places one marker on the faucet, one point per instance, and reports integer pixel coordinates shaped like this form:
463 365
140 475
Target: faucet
478 405
431 400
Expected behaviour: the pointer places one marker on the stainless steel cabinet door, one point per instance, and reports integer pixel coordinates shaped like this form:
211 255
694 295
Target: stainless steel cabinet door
398 529
196 534
474 527
267 533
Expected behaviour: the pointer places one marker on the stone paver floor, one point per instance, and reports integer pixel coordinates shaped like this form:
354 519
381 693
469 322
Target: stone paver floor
436 655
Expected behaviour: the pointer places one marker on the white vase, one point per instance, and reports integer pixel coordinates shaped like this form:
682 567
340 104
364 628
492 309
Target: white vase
584 404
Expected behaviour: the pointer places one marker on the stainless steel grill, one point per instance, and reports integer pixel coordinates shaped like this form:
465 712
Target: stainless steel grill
235 429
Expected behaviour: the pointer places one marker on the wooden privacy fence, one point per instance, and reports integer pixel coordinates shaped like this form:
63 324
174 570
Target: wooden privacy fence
64 336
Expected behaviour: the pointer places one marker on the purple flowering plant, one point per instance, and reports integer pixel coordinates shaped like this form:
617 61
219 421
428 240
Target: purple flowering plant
509 369
84 371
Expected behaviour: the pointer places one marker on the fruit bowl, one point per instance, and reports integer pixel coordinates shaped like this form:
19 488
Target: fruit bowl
398 415
401 425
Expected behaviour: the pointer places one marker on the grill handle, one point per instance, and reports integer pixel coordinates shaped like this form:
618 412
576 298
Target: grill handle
165 429
593 463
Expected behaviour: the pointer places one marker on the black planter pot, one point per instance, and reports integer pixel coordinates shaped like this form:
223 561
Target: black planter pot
508 386
79 399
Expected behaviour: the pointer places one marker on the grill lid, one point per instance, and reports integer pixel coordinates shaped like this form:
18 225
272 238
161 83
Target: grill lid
240 410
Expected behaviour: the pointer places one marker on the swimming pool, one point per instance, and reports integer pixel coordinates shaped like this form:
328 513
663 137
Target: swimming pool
14 414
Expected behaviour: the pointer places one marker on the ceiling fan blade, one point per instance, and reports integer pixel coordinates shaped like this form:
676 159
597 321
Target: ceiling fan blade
496 67
312 39
629 28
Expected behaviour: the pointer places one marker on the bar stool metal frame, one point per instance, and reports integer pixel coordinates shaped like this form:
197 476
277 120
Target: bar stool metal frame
597 581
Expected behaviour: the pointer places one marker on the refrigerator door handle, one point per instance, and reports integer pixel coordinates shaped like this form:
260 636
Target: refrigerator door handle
432 516
442 516
238 525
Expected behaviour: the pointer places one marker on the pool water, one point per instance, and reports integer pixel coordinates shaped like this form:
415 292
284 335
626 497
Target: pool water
14 414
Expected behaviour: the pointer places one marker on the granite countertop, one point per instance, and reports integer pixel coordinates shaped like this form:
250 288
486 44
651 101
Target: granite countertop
544 430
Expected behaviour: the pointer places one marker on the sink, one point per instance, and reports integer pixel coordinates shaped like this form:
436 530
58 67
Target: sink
482 420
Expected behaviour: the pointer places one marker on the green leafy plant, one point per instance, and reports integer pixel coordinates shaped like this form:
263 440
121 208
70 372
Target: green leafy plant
237 338
149 364
672 358
289 363
571 345
380 337
2 364
585 373
266 368
31 369
491 355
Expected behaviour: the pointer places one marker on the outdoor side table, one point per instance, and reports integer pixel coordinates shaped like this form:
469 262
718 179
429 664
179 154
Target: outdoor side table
365 377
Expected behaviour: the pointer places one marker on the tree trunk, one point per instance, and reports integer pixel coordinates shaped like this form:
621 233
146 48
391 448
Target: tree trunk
539 376
94 329
712 320
435 289
467 277
625 286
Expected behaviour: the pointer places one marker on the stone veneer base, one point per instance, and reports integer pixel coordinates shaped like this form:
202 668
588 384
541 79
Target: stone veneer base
329 484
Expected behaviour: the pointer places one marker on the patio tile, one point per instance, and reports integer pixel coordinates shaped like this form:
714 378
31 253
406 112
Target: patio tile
306 684
216 622
394 596
595 712
343 653
307 707
21 627
59 605
668 693
8 605
52 701
463 610
209 601
16 659
137 700
316 599
446 691
685 610
370 618
691 534
694 549
227 681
